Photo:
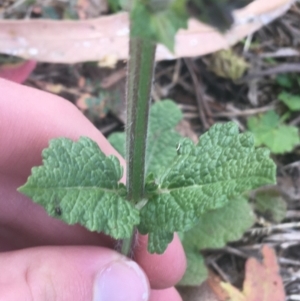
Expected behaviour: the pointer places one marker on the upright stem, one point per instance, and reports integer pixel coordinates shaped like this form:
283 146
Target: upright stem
139 82
140 75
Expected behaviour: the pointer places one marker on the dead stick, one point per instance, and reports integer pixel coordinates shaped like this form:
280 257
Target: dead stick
199 96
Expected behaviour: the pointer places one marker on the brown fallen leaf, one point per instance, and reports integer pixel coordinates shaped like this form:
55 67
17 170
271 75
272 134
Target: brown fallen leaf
96 39
262 282
209 290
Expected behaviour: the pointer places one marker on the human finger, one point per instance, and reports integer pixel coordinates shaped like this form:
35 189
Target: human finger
71 274
163 270
30 118
166 294
24 224
18 229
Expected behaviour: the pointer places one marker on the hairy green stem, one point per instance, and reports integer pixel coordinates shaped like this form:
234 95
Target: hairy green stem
126 246
128 243
139 82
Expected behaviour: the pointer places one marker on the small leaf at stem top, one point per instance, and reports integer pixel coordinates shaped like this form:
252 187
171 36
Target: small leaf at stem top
159 20
158 26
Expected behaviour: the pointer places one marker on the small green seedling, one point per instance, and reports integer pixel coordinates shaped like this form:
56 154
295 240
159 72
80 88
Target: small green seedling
269 130
163 194
292 101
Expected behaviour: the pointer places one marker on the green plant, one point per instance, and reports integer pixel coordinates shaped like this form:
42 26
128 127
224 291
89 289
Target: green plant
215 228
292 101
77 183
289 80
270 204
269 130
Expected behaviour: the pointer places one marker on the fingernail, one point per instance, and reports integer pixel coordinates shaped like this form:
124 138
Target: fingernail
121 281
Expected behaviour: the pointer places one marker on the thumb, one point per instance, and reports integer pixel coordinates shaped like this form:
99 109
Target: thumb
70 274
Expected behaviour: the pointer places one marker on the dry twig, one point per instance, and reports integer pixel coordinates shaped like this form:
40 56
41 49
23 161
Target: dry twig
202 108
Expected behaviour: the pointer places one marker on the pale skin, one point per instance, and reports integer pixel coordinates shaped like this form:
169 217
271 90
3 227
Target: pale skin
42 258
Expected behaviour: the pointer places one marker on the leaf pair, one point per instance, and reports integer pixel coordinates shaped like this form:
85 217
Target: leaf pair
80 181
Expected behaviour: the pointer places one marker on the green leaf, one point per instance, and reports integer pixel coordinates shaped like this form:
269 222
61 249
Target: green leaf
290 100
159 20
162 136
158 241
114 5
218 227
203 177
268 131
117 5
196 271
77 183
214 230
158 5
118 141
271 205
160 26
285 80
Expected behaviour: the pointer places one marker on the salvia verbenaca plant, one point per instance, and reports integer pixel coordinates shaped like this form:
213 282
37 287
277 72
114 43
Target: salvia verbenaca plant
172 185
